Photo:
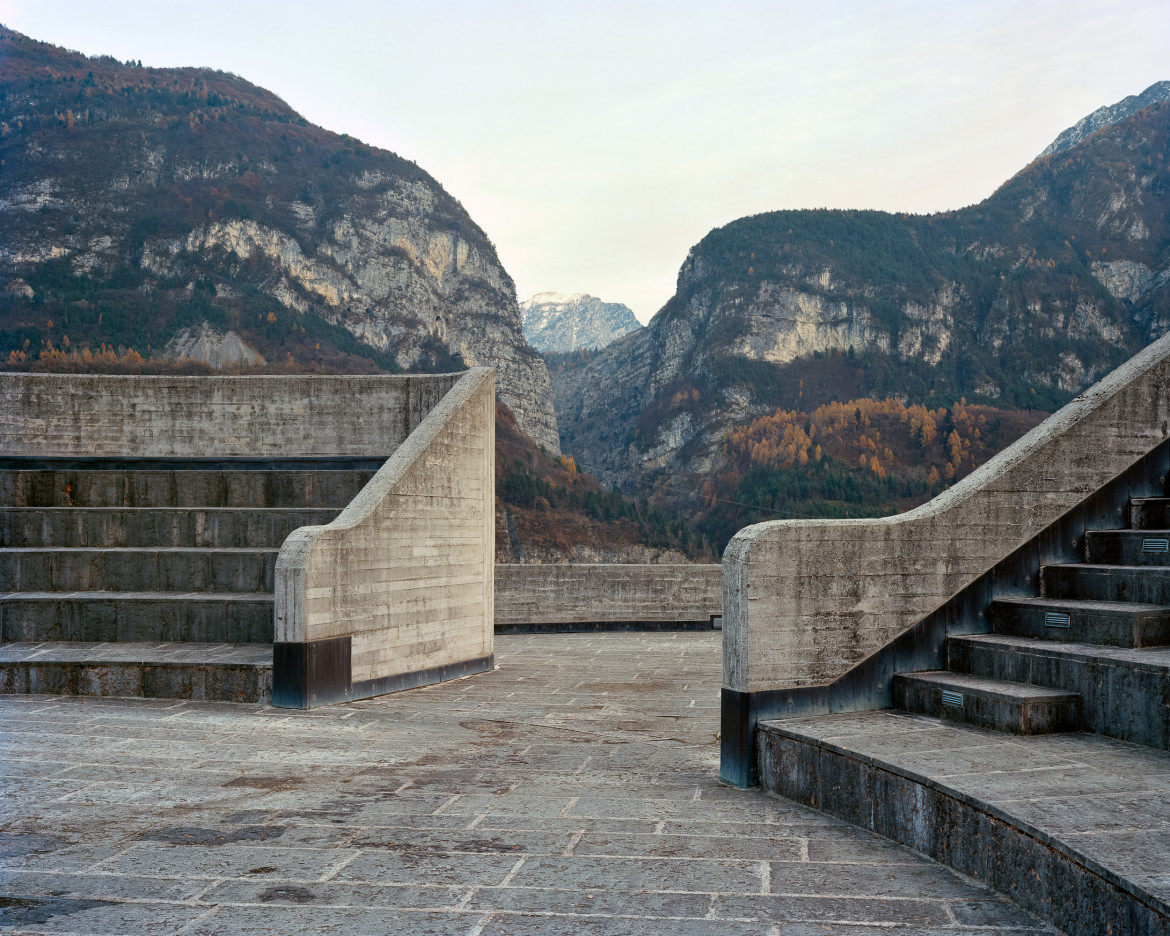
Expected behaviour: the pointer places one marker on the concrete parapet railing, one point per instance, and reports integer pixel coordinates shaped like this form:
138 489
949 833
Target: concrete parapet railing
806 601
398 590
105 416
604 595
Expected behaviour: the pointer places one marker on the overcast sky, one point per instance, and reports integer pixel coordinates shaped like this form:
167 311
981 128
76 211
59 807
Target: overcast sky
596 142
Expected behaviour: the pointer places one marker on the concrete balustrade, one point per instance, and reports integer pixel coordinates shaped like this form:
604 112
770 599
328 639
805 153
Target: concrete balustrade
807 603
397 591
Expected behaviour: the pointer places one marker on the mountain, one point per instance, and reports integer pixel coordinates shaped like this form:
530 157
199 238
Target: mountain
561 323
147 206
1018 302
1107 116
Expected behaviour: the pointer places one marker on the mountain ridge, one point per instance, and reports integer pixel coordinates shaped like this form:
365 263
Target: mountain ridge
561 323
139 202
1020 301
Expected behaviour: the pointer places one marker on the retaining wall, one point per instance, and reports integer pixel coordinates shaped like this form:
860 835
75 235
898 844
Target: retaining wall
103 415
398 590
531 597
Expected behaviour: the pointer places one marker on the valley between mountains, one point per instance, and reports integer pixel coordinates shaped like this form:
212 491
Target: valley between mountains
809 363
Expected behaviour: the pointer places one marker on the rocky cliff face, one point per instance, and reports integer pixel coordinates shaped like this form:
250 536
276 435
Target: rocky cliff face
559 323
1021 301
138 202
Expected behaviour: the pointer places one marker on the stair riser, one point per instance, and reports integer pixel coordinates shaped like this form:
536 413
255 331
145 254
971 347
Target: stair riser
1129 703
332 489
206 683
1125 547
117 527
1147 586
1150 515
1085 626
979 711
192 570
136 619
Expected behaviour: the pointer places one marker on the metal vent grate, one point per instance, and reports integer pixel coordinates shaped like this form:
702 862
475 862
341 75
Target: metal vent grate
1156 544
953 699
1057 619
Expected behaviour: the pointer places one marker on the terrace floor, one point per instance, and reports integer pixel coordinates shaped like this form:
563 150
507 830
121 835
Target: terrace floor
573 791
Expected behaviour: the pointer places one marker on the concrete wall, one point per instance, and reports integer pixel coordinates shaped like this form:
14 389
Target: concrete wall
586 593
404 576
82 415
806 600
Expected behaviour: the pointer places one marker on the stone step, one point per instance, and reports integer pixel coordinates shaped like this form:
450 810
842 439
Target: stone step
1071 827
1128 547
155 526
206 672
137 569
1149 513
181 488
1108 623
1093 582
137 616
1014 707
1123 692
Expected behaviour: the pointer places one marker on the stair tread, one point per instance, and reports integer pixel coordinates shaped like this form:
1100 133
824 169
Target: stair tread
201 550
1149 657
1128 531
1097 566
137 595
185 510
1078 604
137 653
998 688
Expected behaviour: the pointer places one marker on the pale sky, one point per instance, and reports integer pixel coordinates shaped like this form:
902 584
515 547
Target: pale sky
596 142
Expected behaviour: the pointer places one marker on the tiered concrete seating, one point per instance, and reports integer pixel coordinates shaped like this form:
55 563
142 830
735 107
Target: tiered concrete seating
150 581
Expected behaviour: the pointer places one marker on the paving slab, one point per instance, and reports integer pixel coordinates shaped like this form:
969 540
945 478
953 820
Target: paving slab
572 790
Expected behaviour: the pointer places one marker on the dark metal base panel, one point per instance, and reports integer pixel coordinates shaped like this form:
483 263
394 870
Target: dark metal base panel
317 672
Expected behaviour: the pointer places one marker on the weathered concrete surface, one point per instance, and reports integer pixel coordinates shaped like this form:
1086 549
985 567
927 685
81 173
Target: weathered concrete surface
406 570
1073 827
806 600
1125 693
205 672
82 415
571 593
572 791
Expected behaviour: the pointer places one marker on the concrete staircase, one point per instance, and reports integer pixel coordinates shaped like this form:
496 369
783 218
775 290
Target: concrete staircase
149 579
1075 657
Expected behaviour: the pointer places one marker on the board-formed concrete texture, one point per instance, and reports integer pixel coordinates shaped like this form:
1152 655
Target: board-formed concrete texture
531 596
806 600
397 591
570 792
91 416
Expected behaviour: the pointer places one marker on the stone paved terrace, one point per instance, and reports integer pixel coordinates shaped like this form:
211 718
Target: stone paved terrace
571 791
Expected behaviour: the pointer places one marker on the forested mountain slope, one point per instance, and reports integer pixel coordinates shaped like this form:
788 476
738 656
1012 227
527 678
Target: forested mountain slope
1019 302
138 202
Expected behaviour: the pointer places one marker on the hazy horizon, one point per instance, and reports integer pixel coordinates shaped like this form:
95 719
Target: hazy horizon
595 143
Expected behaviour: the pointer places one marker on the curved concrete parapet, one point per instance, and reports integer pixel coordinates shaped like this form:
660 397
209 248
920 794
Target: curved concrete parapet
806 602
398 590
